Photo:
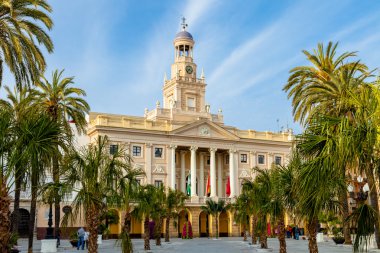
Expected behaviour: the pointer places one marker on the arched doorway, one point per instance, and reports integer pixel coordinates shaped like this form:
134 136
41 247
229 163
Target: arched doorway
223 224
23 226
136 228
196 184
182 218
203 224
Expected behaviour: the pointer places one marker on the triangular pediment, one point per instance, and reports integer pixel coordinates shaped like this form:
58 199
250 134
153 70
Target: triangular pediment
205 129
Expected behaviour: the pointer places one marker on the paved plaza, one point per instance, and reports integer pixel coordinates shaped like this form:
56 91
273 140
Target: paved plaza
200 245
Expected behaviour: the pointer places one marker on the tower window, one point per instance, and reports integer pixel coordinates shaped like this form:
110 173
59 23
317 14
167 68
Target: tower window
190 102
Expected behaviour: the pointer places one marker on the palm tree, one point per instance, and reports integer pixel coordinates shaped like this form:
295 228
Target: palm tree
96 172
6 145
60 100
252 206
38 136
318 89
18 102
241 212
147 200
175 200
159 213
215 208
19 31
128 187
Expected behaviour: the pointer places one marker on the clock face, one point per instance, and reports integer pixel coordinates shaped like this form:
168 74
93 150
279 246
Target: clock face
189 69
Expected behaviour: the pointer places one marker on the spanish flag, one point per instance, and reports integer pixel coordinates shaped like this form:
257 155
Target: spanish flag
208 191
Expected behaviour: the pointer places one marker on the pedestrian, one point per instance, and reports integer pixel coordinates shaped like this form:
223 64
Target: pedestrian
297 233
86 235
80 234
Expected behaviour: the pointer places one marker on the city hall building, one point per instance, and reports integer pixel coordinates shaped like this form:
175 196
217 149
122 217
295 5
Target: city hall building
181 142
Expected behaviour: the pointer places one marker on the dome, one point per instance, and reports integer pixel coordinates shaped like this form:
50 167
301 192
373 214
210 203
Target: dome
184 35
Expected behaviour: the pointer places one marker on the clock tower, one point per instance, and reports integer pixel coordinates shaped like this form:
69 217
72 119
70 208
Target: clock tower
184 92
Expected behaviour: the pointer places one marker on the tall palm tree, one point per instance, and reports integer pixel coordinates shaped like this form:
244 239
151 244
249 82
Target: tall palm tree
175 200
38 136
19 101
159 213
215 208
147 200
6 145
60 100
317 89
96 172
20 29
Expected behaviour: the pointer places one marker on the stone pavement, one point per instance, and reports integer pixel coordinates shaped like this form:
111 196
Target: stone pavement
200 245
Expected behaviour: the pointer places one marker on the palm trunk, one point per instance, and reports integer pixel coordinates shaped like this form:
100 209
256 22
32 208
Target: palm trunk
5 223
217 226
146 233
373 195
346 223
127 246
33 204
16 205
281 234
312 228
158 229
244 232
253 234
57 199
93 221
167 228
263 234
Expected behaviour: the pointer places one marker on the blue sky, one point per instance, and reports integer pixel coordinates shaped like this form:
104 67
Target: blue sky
119 50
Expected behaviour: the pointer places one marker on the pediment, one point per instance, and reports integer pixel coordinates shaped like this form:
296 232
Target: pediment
205 129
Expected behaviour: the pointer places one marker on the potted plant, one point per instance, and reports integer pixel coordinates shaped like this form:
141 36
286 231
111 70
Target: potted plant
338 238
74 239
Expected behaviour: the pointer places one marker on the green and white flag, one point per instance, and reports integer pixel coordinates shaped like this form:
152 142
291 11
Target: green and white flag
188 190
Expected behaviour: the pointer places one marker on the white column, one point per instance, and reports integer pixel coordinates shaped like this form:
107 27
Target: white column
236 169
148 162
193 170
220 176
183 175
173 168
212 172
270 160
201 174
232 173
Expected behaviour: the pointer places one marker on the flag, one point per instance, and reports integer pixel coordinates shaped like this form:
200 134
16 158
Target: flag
208 186
188 190
228 187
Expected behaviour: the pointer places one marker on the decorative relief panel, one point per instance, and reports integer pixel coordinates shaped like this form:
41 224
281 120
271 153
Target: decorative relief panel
204 131
244 174
159 169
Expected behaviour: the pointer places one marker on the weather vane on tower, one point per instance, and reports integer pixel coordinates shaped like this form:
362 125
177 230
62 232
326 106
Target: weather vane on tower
184 25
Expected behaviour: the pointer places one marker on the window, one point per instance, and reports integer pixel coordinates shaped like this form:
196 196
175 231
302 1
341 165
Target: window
158 152
261 159
136 151
243 158
208 160
113 149
190 102
277 160
157 183
227 159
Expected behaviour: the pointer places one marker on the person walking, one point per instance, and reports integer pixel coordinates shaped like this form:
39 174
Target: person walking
81 234
297 233
86 235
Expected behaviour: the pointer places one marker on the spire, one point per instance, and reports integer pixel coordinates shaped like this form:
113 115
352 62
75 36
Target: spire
183 24
202 74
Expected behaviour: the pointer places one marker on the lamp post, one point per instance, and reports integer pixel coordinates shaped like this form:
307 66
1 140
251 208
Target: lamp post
50 229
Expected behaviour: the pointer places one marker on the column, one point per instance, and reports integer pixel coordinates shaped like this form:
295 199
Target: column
183 174
173 168
232 173
193 171
270 160
148 162
220 175
201 174
236 169
212 172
